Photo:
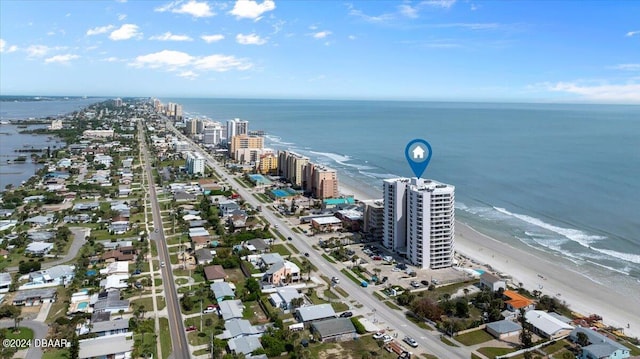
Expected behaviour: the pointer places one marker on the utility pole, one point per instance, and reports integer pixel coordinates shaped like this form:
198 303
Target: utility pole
212 345
200 314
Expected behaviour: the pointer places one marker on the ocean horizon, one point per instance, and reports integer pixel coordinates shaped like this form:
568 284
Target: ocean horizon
555 179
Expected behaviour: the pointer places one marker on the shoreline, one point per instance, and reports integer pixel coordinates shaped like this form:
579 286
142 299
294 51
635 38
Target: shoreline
580 293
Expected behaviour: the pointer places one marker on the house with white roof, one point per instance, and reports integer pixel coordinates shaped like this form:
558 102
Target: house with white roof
115 281
222 291
244 345
283 296
236 328
5 282
314 313
231 309
121 267
547 325
38 248
600 347
112 346
108 302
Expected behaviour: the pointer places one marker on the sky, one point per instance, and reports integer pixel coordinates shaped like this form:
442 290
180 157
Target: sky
443 50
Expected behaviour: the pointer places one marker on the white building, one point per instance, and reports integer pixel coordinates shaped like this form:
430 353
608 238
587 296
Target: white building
195 163
212 133
56 125
236 127
419 221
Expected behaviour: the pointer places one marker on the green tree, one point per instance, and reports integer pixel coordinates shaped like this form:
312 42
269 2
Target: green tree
525 335
75 346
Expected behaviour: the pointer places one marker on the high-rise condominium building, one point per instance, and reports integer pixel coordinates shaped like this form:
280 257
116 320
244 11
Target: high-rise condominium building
195 163
236 127
419 219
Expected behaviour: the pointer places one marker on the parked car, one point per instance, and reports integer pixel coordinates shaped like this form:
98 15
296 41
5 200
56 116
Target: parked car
415 284
412 342
378 335
191 328
346 315
137 271
425 282
209 310
289 238
162 264
387 338
335 280
306 254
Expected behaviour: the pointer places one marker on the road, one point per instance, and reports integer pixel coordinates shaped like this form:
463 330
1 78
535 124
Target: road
40 331
391 318
176 326
79 235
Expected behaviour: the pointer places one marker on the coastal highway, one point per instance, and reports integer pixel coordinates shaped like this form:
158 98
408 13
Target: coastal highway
176 327
386 316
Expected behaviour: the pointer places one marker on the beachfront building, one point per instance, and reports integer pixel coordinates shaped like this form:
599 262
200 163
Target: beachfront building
373 219
246 142
322 181
195 163
599 346
291 166
419 218
212 133
268 164
548 326
236 127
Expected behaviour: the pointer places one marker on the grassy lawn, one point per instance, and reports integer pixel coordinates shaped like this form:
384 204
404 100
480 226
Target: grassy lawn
391 305
342 292
22 333
165 339
57 354
59 307
365 346
203 334
556 346
147 302
351 276
474 337
418 322
329 259
448 342
161 302
148 339
339 306
490 352
379 296
280 249
294 249
181 281
154 249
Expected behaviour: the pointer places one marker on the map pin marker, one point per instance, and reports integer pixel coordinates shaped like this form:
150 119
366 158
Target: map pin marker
418 153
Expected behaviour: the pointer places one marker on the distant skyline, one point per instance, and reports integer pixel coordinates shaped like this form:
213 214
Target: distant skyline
441 50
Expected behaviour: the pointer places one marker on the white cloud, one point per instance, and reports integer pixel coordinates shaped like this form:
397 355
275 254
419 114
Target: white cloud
470 26
250 9
125 32
633 33
369 18
627 67
188 65
37 50
5 48
445 4
164 58
122 16
250 39
111 59
61 59
168 36
212 38
408 11
222 63
474 7
321 34
194 8
352 37
99 30
121 1
621 93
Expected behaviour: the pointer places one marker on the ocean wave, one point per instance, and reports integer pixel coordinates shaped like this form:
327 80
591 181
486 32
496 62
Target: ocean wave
278 140
575 235
341 159
378 175
629 257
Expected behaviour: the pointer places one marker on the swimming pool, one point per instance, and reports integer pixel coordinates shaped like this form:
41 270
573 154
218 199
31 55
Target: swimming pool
83 305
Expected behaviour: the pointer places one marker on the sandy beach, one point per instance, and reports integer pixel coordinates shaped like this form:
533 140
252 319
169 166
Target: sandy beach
544 273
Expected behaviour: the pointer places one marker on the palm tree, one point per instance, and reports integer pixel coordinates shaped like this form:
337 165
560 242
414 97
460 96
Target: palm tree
306 267
121 312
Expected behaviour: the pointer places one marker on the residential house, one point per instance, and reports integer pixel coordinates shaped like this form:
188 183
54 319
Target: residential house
117 255
238 219
283 296
34 297
57 275
231 309
199 242
326 224
6 212
112 346
89 206
267 259
107 328
41 236
547 325
222 291
488 280
282 273
244 345
503 329
115 281
5 282
181 196
227 207
204 256
41 220
115 268
599 346
334 330
515 301
215 273
257 245
38 248
313 313
109 302
236 328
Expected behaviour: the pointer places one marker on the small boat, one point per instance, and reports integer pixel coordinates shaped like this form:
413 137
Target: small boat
5 122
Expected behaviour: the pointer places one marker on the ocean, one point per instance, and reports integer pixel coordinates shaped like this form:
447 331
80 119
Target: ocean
17 109
555 179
